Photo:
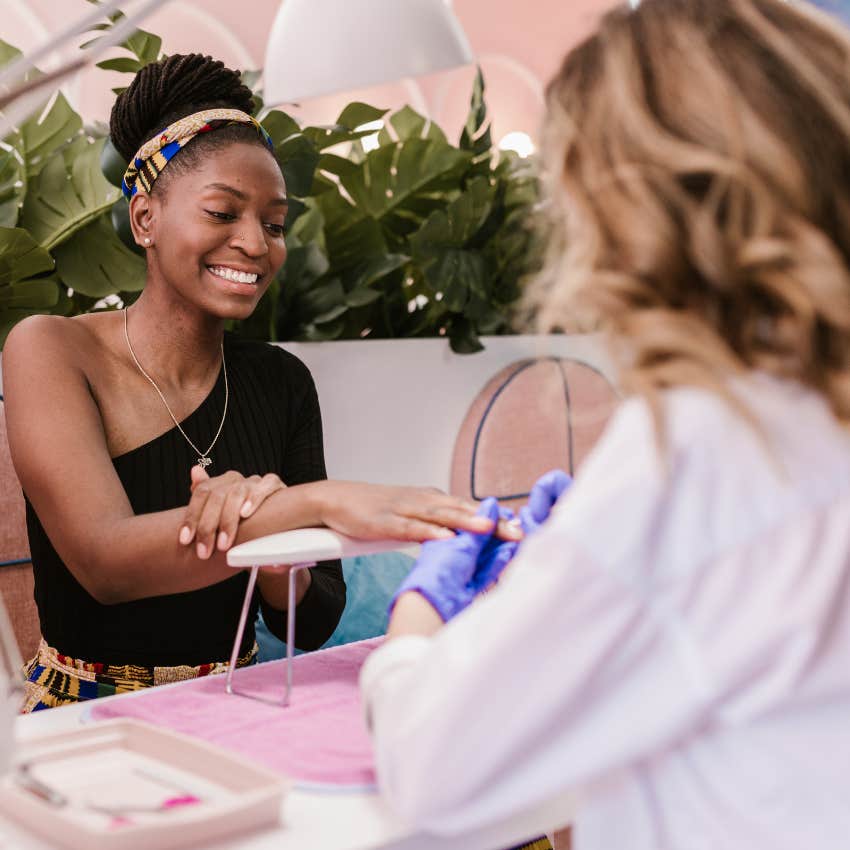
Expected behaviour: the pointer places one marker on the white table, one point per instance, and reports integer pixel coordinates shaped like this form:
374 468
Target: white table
317 821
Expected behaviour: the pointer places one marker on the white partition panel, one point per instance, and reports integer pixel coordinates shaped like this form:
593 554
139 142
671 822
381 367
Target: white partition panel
391 408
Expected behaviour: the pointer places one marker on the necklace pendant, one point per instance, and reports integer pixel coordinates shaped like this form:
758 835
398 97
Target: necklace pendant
204 462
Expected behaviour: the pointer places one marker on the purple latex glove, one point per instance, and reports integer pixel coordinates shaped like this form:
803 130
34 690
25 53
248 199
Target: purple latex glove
546 491
451 573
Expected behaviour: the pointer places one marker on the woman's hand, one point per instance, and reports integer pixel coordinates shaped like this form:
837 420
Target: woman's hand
451 573
542 498
219 504
375 511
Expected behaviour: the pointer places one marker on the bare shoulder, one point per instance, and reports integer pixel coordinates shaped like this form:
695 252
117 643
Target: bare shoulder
50 346
45 369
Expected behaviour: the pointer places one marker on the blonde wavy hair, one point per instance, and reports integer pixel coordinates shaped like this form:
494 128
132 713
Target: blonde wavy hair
701 159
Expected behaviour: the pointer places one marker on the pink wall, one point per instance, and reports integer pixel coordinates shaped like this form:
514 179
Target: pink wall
519 45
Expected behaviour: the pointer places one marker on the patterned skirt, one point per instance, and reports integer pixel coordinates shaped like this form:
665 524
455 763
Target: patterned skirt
53 679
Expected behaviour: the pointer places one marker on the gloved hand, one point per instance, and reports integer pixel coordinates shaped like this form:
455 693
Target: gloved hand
546 491
451 573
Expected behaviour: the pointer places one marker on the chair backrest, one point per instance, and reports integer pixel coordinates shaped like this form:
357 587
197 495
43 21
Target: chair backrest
16 579
532 416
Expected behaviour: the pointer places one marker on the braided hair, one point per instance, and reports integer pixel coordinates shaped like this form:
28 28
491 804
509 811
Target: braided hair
165 91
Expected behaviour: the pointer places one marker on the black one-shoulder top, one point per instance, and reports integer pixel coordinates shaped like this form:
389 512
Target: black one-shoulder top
273 424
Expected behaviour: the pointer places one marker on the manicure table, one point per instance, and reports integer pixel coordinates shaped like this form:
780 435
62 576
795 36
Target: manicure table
320 816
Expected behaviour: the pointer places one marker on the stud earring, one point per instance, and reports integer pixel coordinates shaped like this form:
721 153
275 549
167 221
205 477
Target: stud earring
147 240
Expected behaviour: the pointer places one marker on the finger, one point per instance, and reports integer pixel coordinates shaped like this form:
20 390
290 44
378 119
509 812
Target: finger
197 474
439 499
439 509
511 529
228 521
208 524
474 541
408 528
193 513
452 518
546 492
503 556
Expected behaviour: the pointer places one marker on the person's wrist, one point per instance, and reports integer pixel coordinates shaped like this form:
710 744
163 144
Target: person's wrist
318 495
414 613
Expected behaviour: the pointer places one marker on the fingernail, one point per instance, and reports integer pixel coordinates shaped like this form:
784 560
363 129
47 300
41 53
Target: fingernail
222 541
246 509
185 535
202 551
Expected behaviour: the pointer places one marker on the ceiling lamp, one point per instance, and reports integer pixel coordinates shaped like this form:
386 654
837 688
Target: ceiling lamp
319 47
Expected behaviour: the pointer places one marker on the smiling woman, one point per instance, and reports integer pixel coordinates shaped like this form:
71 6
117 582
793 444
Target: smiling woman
181 440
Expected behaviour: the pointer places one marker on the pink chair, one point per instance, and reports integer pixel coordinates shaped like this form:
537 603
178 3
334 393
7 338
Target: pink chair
532 416
16 580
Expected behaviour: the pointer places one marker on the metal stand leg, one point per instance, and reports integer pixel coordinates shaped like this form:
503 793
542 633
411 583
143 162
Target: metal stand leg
290 638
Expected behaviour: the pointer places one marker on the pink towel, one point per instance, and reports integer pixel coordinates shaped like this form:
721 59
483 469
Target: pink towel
320 737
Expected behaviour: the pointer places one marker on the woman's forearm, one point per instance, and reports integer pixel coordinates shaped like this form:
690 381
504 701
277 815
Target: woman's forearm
140 556
125 557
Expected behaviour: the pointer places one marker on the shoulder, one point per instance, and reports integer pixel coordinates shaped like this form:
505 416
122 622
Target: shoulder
40 343
37 330
702 473
654 469
684 425
54 348
690 435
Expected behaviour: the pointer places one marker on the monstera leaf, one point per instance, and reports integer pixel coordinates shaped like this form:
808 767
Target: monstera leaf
24 151
69 193
390 176
145 46
442 246
354 115
11 185
21 292
97 263
350 236
47 129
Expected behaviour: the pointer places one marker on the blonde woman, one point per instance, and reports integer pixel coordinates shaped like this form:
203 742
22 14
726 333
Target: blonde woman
674 641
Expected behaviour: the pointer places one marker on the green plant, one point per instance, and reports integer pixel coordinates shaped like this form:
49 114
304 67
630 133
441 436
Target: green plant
392 231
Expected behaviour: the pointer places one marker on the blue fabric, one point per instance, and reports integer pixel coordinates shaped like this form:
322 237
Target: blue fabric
371 581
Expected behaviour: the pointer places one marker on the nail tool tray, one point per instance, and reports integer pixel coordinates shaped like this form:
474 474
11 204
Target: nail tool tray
128 784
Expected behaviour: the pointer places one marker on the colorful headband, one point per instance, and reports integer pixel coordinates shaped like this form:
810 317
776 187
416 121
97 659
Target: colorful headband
155 154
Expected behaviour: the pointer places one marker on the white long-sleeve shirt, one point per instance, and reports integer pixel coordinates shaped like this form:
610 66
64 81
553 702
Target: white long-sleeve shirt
674 644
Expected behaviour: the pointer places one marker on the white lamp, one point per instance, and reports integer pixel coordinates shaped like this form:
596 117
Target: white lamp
319 47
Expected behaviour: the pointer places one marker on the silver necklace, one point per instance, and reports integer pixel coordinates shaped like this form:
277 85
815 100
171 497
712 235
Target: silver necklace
203 457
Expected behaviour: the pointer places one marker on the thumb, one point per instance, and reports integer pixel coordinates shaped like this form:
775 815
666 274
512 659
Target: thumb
546 492
198 474
473 542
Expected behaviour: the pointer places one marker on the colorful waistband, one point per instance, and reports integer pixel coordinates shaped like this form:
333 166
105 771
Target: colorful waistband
55 679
